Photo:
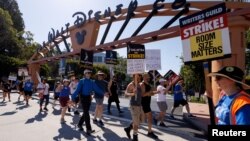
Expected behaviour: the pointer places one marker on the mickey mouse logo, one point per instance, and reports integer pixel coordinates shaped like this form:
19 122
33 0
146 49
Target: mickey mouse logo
80 37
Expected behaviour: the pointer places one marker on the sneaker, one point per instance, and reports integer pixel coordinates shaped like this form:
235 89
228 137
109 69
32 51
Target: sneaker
69 109
155 121
127 130
79 127
95 121
89 132
172 117
190 115
120 112
162 124
45 108
76 113
40 110
152 135
101 123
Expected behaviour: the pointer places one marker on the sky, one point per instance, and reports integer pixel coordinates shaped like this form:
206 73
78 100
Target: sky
42 15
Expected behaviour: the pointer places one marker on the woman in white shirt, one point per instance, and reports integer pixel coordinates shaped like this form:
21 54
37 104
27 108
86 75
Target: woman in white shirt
161 102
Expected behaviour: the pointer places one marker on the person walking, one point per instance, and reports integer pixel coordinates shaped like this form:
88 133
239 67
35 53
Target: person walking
147 92
73 85
135 92
233 107
28 90
57 90
99 97
6 90
161 102
20 86
43 90
86 87
113 96
64 98
179 99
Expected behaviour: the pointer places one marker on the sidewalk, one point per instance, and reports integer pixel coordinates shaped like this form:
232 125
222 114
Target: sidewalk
19 122
202 119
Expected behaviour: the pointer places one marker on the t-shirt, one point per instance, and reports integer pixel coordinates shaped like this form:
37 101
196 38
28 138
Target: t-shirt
65 92
161 96
103 85
28 86
222 112
73 86
43 88
178 92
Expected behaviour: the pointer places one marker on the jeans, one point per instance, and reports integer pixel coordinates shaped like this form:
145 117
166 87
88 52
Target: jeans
86 102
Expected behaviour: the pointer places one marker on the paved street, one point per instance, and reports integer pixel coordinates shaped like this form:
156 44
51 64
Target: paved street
19 122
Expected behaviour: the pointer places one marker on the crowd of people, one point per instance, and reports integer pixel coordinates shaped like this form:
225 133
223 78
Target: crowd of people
232 108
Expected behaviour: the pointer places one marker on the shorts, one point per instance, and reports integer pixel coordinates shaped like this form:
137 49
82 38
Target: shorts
63 101
28 93
162 105
99 101
136 113
146 107
180 102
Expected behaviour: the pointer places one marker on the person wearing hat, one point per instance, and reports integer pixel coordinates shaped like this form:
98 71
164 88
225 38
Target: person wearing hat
64 98
85 88
234 106
99 97
179 99
161 102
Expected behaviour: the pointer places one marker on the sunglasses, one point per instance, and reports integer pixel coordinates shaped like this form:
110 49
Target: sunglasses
218 78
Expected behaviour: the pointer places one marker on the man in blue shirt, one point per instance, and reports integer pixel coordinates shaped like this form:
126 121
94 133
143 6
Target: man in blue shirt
85 89
28 90
179 99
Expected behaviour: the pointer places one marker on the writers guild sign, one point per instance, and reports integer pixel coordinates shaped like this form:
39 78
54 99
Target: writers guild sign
135 51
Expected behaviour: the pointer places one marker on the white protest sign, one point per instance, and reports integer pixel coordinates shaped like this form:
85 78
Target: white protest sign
135 66
153 59
12 77
22 72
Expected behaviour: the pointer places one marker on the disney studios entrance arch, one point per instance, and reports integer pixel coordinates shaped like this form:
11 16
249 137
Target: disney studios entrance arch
85 29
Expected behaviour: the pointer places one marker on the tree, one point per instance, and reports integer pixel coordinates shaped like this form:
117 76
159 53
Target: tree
16 16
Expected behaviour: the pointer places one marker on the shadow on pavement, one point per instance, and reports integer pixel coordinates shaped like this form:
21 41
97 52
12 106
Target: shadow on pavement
3 104
109 133
56 111
38 117
67 133
8 113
